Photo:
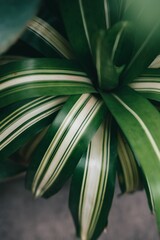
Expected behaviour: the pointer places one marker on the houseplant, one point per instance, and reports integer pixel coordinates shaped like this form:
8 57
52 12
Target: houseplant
80 96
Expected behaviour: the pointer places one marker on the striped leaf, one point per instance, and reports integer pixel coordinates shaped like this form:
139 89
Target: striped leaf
143 134
129 177
93 183
46 39
108 51
89 17
148 84
107 13
21 122
63 145
41 77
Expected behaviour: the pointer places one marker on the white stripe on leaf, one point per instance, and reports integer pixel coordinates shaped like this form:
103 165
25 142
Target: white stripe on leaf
42 71
19 111
42 78
51 36
27 119
107 13
144 127
94 180
64 141
146 86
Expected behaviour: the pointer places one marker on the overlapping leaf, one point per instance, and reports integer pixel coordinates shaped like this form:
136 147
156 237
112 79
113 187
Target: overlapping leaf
143 134
47 40
21 122
42 77
93 182
148 84
63 145
33 89
128 170
86 24
109 52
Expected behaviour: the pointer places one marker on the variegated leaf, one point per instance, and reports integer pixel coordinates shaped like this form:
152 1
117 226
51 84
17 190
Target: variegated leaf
86 24
47 40
42 77
148 84
93 183
63 145
143 134
129 167
20 123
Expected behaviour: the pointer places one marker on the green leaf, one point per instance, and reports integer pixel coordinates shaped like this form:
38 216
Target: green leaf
14 15
129 178
145 13
93 183
115 10
148 84
20 123
82 23
144 16
63 145
46 39
42 77
108 51
143 134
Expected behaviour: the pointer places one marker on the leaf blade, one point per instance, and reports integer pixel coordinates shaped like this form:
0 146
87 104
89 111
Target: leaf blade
42 77
148 84
46 39
22 122
93 182
142 133
65 140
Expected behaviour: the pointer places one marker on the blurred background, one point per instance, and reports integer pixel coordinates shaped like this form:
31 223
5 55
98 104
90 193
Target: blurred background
24 218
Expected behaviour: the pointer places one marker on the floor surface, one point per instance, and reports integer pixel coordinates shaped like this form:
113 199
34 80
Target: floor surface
24 218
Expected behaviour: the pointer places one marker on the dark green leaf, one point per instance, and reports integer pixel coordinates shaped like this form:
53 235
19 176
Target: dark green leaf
108 52
47 40
93 183
60 150
42 77
22 122
143 134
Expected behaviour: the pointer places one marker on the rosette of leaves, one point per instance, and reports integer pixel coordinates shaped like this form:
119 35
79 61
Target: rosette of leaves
80 96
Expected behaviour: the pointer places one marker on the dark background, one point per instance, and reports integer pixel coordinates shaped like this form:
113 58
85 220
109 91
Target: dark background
24 218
